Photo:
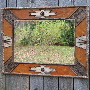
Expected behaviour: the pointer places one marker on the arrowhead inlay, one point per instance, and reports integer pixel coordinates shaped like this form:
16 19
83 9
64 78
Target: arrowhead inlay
43 13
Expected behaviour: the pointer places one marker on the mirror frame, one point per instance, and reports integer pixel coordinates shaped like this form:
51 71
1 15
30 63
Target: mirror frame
77 13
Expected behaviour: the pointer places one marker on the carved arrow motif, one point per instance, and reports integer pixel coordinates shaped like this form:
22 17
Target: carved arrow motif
7 41
43 13
81 42
42 69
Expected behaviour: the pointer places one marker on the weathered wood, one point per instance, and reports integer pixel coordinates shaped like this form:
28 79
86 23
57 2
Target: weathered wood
65 2
36 83
88 2
65 84
11 3
2 82
2 77
80 2
35 3
50 83
23 3
2 3
81 84
17 82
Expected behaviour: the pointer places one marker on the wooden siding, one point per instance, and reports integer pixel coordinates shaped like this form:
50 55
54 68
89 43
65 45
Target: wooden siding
22 82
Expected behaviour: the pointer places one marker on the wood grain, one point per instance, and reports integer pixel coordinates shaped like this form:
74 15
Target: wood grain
65 84
81 84
60 12
23 3
39 3
6 25
80 2
50 83
17 82
81 56
65 2
36 83
7 53
2 77
2 3
11 3
60 70
88 3
81 28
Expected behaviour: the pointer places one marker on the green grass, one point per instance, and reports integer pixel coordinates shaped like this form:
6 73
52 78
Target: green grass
44 54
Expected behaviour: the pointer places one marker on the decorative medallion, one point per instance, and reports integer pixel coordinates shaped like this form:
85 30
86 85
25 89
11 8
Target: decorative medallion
43 13
43 69
7 41
81 42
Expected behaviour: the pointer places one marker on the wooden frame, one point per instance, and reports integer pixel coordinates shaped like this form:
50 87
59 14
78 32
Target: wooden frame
79 13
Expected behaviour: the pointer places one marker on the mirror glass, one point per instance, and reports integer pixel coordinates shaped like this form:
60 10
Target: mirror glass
44 41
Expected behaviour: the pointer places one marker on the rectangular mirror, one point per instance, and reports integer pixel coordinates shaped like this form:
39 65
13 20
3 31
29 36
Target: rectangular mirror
44 41
47 41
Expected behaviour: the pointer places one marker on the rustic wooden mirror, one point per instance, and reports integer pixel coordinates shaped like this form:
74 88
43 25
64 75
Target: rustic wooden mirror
50 41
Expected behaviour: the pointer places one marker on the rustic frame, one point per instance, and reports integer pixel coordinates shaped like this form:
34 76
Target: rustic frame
79 13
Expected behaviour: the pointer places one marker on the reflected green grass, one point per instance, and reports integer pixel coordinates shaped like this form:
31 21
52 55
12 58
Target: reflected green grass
44 54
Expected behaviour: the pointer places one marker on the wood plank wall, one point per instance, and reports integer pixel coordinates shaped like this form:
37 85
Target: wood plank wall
22 82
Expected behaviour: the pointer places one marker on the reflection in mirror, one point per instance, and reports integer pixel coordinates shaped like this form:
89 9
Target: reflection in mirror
44 41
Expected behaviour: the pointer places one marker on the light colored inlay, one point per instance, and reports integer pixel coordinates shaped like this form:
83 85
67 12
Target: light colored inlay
42 69
43 13
81 42
7 41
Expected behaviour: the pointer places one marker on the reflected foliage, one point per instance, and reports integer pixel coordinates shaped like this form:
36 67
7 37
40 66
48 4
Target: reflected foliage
45 32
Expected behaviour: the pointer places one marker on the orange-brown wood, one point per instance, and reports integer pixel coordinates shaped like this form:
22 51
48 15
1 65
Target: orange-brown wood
7 28
81 55
7 53
60 70
60 12
24 68
63 12
81 28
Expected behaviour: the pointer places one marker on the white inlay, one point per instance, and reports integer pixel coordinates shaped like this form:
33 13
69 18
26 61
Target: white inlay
43 13
42 69
81 42
7 41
